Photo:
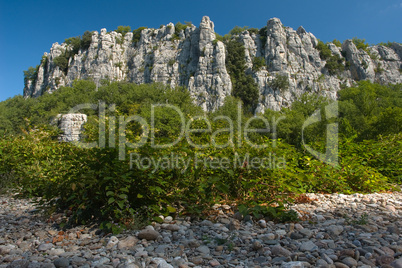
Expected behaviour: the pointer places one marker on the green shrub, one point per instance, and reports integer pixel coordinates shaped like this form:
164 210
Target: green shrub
137 34
75 43
61 62
238 30
123 30
171 62
337 43
258 63
325 52
178 27
263 35
86 40
388 44
253 30
244 86
219 37
31 74
280 82
93 185
335 65
360 43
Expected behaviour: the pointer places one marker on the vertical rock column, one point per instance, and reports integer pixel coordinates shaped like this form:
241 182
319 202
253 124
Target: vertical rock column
71 125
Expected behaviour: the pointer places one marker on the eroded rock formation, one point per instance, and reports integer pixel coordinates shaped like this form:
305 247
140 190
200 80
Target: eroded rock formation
195 59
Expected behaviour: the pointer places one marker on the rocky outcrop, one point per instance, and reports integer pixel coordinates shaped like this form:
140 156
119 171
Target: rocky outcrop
71 126
195 59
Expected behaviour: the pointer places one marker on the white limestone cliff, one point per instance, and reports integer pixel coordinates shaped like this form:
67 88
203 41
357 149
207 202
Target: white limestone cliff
196 60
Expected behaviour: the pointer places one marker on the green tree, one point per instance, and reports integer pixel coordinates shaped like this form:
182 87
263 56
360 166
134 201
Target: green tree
61 62
258 63
75 43
237 30
244 86
123 30
280 82
337 43
325 52
137 34
360 43
86 40
31 74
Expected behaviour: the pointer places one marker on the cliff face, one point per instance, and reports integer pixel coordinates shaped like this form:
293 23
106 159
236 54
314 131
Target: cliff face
196 60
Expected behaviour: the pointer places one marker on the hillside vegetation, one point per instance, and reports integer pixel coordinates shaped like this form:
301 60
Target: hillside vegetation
223 159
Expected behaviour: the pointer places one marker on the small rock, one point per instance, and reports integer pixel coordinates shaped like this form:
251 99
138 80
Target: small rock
61 262
171 227
203 249
308 246
397 263
148 234
168 219
257 245
45 247
214 263
349 261
19 264
335 229
306 232
393 230
293 264
262 223
340 265
129 242
280 251
385 260
296 236
112 242
347 252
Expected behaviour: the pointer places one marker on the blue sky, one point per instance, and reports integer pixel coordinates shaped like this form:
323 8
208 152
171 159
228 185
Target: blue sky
28 28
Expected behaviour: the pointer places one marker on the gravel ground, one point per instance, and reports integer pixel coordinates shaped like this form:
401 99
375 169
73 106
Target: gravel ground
336 231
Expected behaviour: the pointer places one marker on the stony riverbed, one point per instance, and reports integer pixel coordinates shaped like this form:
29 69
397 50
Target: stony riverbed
336 231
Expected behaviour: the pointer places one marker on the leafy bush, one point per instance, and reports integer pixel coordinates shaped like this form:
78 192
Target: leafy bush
237 30
61 62
280 82
93 185
137 34
123 30
360 43
335 65
75 43
244 86
325 52
263 35
31 74
86 40
258 63
337 43
253 30
178 27
219 37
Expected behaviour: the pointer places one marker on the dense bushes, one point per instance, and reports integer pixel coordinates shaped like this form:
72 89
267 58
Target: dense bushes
137 34
30 75
96 184
335 64
178 27
280 83
74 46
244 86
258 63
